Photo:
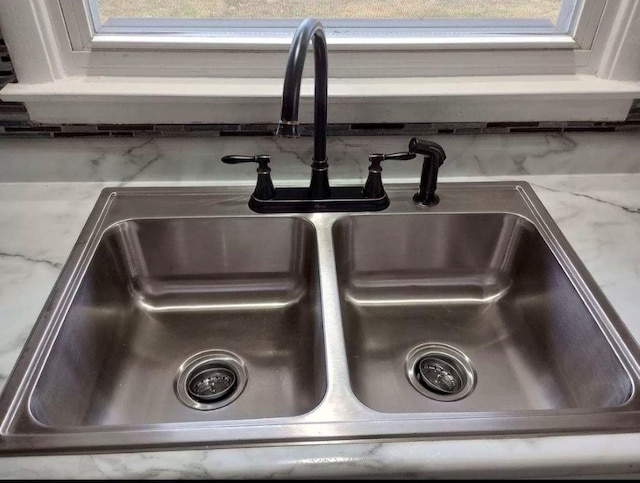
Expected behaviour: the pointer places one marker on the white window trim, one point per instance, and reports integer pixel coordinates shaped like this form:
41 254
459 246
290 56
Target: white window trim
93 53
60 84
180 34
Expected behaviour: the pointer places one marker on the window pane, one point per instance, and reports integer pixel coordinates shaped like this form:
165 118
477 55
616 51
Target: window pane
331 9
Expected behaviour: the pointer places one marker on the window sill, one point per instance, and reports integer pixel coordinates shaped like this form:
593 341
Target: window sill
436 99
335 41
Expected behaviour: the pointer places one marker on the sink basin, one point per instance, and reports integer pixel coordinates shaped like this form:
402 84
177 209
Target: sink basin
484 283
158 291
183 319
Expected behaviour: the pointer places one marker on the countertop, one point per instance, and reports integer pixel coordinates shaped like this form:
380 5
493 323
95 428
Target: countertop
589 183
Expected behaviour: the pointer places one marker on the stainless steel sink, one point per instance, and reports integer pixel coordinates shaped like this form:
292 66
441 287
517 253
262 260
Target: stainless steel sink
183 319
158 291
484 283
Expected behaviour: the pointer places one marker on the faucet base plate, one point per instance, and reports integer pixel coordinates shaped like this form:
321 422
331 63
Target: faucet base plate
297 200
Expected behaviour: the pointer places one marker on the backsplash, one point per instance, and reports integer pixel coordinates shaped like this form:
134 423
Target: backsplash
634 112
25 128
11 113
15 122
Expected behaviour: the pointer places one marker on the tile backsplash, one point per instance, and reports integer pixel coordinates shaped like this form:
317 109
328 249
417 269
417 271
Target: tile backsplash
634 112
23 128
11 113
15 122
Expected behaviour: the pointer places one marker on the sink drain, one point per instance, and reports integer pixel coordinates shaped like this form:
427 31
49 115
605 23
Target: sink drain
439 375
210 380
440 372
211 383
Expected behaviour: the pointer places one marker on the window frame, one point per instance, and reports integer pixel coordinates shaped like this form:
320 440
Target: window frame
85 22
91 53
368 82
422 48
86 32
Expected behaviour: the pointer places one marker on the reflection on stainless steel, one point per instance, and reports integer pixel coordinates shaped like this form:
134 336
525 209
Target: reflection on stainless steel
321 313
216 306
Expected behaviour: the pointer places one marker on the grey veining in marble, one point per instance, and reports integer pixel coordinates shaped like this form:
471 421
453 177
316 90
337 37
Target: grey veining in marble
402 459
158 159
598 213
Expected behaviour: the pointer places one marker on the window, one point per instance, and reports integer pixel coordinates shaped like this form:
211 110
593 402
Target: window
389 60
325 9
345 18
350 23
363 43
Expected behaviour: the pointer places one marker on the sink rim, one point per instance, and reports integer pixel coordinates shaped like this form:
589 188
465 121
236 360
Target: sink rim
339 415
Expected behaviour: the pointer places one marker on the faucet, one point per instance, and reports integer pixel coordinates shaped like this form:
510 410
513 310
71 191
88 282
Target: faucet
319 196
310 29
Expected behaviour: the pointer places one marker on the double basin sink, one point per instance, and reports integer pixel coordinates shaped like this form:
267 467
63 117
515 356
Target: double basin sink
182 319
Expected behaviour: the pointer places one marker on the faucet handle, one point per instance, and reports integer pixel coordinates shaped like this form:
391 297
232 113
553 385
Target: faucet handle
373 187
264 186
262 159
376 159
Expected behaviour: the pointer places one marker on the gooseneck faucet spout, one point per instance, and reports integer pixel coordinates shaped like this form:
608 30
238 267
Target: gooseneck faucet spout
309 30
319 196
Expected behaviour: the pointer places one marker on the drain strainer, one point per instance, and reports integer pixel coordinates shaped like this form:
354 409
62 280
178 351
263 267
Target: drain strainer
440 372
211 383
210 380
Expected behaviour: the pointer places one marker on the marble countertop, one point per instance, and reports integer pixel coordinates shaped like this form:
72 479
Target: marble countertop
48 188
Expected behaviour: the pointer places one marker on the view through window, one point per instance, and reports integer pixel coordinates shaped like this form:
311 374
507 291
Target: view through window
332 9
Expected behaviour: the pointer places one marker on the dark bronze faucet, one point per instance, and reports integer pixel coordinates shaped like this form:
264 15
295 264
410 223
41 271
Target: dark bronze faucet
319 196
309 30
